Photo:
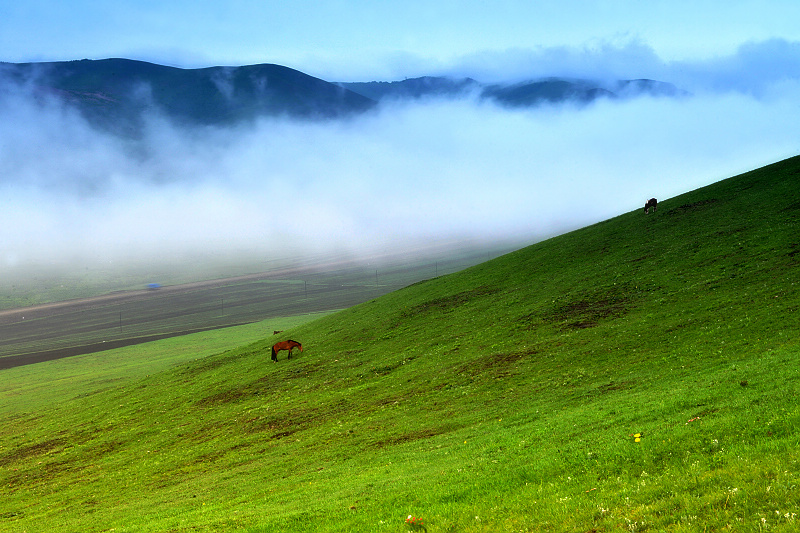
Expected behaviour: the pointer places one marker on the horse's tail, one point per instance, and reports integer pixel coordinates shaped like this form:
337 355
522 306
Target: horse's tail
274 354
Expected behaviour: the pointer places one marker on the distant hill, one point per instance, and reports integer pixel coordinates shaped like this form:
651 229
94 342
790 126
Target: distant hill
523 94
117 94
424 87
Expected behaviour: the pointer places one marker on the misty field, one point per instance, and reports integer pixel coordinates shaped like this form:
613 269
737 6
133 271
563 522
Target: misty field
96 323
640 374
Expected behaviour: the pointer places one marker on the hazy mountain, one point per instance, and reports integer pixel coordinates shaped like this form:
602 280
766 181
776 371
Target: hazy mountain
427 86
627 88
523 94
116 94
551 90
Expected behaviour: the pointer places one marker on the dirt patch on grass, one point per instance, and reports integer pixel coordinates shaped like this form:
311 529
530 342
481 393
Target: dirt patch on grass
588 313
496 365
412 436
681 209
301 370
226 396
208 364
446 303
615 386
384 370
262 385
585 310
284 425
34 450
589 310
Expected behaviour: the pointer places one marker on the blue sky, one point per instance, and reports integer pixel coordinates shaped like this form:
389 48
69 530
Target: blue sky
360 40
413 172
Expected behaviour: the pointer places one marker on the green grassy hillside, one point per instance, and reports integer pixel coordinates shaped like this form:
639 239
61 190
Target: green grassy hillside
502 398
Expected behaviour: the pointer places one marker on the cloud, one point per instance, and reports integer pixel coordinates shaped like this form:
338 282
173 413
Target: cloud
410 173
755 68
595 60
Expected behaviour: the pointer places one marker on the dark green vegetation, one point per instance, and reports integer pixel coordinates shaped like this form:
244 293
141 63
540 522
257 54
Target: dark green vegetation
501 398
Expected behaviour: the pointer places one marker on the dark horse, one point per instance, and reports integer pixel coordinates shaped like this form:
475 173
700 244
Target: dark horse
652 202
285 345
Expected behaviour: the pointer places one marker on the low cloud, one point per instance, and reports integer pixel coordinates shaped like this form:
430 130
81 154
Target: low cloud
407 174
599 60
760 69
755 68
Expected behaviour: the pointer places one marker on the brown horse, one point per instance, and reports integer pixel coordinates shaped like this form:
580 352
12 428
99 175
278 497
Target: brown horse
285 345
652 202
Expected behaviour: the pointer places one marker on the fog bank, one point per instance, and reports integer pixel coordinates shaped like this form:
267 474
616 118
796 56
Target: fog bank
409 174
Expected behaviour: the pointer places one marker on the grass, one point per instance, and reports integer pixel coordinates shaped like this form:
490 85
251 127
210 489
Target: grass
502 398
32 387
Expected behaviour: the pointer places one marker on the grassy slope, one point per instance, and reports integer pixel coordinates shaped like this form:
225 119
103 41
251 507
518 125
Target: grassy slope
33 387
502 398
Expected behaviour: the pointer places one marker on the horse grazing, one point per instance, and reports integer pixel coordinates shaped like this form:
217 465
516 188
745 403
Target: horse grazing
652 202
285 345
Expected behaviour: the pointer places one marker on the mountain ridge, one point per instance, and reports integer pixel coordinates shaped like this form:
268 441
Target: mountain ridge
111 90
529 93
117 93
